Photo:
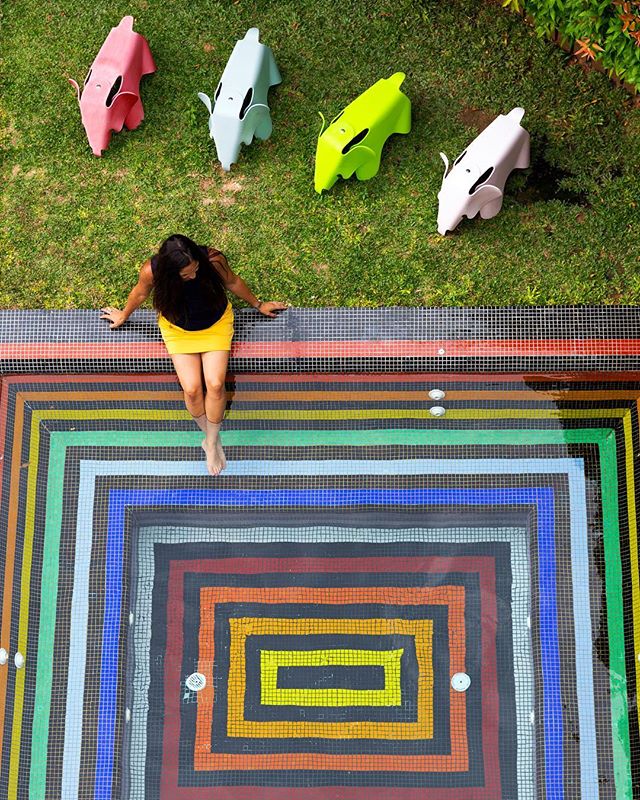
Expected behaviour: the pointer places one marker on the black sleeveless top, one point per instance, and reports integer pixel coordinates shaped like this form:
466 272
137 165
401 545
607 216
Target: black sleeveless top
198 314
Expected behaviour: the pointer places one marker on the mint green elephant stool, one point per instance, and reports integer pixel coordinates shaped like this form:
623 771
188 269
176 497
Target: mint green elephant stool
353 141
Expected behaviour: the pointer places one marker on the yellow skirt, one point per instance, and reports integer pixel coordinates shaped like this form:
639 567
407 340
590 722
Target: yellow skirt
217 337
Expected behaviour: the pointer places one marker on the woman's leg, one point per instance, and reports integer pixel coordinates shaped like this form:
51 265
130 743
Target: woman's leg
189 369
214 365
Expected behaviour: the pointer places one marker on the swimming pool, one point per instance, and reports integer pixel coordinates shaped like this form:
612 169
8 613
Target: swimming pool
384 595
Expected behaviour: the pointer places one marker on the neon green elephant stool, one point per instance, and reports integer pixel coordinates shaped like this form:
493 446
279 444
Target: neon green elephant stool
353 141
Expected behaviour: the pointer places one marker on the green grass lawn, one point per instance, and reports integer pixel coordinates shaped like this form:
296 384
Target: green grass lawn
76 228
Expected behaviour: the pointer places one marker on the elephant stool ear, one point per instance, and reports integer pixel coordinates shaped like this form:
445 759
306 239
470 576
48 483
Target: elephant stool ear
206 100
367 159
121 106
363 150
75 86
481 197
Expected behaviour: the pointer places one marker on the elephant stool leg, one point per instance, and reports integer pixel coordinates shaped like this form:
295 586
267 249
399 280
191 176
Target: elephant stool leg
264 128
403 124
148 64
135 116
490 210
369 169
524 155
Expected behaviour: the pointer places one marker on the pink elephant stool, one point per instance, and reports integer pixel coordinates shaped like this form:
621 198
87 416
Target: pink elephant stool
111 92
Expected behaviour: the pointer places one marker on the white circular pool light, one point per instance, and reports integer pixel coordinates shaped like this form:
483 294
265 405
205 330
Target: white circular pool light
460 682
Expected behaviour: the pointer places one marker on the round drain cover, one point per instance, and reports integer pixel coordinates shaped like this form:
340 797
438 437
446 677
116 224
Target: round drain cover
437 411
4 656
437 394
461 681
18 660
196 681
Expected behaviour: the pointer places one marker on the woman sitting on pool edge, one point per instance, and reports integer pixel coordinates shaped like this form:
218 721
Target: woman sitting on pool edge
188 282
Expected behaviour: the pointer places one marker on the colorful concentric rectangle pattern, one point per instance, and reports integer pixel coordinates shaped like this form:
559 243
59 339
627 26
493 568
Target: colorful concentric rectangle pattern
357 554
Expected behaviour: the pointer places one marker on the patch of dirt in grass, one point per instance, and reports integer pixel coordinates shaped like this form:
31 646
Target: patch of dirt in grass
228 191
232 186
11 133
475 118
225 194
320 268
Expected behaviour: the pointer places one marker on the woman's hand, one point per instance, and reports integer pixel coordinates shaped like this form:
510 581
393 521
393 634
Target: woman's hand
115 317
269 309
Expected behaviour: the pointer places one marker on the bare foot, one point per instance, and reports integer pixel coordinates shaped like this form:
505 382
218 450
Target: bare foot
215 464
221 454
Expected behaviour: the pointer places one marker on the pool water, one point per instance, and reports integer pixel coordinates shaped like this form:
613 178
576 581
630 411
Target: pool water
360 561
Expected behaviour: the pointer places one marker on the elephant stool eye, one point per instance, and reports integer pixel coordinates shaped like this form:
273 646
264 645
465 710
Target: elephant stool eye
114 90
484 177
218 90
86 80
356 140
246 103
460 157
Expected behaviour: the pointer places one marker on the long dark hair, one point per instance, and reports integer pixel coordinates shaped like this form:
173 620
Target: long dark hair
168 287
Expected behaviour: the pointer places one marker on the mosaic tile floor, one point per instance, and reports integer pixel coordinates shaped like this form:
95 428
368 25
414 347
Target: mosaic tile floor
357 553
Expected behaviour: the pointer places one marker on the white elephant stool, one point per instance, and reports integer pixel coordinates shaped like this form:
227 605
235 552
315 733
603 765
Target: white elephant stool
478 175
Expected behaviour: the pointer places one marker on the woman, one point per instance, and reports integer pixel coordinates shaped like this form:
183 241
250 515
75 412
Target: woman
196 322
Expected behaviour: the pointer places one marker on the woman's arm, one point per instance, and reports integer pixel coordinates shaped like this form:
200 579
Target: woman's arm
235 284
136 298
